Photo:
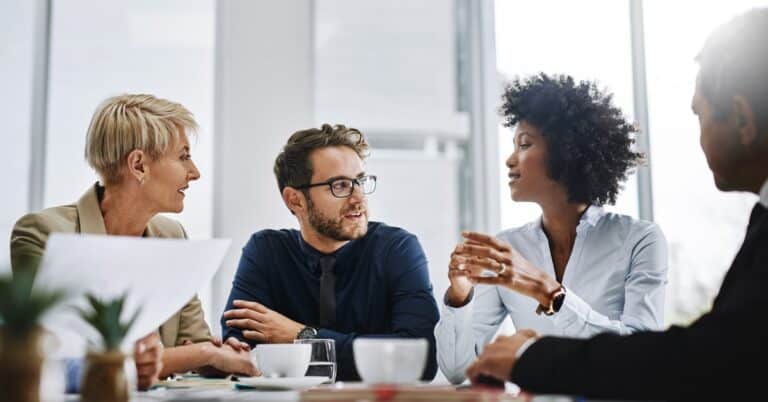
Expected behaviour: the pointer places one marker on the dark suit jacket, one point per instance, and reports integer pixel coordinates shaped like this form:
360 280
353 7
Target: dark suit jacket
722 355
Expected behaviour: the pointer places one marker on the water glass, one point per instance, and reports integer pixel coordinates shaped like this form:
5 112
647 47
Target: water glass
323 360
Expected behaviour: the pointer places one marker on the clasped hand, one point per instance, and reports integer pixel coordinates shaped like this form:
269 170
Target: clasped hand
262 324
481 253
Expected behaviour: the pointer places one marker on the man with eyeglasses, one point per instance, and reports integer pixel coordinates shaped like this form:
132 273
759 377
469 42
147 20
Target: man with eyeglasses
339 276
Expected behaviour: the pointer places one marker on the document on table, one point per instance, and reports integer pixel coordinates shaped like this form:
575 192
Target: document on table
158 275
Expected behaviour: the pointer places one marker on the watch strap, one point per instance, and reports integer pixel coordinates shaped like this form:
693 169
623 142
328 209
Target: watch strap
556 300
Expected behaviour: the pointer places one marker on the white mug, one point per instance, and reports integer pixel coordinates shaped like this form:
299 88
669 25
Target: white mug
390 360
282 359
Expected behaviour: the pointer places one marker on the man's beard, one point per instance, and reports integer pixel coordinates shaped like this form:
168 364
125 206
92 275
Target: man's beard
332 228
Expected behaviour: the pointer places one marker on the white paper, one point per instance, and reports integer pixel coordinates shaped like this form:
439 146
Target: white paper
214 394
158 275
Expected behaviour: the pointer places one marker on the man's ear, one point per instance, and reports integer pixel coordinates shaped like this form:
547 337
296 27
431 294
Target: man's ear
294 200
744 120
136 164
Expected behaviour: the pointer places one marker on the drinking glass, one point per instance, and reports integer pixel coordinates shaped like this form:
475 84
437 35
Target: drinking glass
323 360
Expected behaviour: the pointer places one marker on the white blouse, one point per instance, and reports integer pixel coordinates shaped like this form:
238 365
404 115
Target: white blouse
615 279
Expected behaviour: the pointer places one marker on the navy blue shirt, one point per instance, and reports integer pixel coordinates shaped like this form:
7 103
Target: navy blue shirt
382 288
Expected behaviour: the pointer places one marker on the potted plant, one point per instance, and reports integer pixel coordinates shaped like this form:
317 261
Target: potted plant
21 355
104 378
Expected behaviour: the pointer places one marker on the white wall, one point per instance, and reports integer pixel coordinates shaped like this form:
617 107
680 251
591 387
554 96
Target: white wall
416 192
264 92
388 66
16 70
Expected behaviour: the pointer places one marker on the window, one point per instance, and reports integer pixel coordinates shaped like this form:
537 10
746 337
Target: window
704 227
564 37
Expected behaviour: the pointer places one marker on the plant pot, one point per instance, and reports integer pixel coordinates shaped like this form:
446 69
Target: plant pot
104 379
21 362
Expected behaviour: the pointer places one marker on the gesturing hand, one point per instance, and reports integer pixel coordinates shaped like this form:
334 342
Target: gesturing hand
262 324
481 252
461 283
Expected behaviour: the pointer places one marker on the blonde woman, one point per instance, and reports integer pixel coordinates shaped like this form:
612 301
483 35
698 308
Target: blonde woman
139 147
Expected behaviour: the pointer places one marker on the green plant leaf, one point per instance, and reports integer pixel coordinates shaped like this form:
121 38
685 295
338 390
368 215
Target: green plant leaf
22 306
104 316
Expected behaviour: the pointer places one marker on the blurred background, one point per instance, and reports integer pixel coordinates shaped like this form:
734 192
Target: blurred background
421 78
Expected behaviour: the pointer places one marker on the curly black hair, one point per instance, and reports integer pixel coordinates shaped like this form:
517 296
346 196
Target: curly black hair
589 140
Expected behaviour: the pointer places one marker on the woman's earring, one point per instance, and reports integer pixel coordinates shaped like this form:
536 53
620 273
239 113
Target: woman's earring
141 181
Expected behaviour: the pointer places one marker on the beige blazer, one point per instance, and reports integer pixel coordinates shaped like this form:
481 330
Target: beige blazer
31 233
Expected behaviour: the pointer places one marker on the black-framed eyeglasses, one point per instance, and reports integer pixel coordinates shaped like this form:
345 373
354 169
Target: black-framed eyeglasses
344 187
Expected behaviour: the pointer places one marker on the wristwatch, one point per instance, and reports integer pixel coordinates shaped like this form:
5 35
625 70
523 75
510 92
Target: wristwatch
307 333
556 300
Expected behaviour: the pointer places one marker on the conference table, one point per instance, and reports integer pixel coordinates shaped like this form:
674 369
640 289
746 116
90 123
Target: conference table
225 390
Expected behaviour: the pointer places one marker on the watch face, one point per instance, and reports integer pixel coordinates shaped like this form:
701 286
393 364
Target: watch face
307 333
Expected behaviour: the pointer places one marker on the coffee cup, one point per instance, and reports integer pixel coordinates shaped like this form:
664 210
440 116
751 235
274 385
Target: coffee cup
282 359
390 360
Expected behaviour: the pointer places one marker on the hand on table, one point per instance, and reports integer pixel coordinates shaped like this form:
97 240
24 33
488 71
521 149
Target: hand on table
229 357
148 356
230 360
233 342
499 357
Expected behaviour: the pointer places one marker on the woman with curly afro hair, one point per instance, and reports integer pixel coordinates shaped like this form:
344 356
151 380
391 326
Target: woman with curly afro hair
576 271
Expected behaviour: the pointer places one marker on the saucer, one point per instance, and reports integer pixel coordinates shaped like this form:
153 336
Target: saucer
279 383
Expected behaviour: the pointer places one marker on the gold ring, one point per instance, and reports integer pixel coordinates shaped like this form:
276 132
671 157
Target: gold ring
503 269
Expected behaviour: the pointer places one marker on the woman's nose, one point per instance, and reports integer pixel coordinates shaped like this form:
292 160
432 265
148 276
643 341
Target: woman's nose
512 160
194 174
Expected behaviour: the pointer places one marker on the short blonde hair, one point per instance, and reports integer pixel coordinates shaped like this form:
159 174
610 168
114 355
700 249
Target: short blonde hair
127 122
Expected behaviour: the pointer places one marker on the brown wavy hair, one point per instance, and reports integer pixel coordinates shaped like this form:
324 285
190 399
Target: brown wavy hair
293 167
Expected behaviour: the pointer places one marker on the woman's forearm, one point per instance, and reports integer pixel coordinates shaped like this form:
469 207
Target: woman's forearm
544 286
179 359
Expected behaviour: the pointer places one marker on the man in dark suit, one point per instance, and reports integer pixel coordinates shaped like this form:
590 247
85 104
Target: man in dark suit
721 355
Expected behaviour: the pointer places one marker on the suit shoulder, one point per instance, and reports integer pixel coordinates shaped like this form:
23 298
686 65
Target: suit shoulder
164 226
30 233
49 220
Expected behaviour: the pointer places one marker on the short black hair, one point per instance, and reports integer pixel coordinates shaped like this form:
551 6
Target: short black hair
734 61
588 138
